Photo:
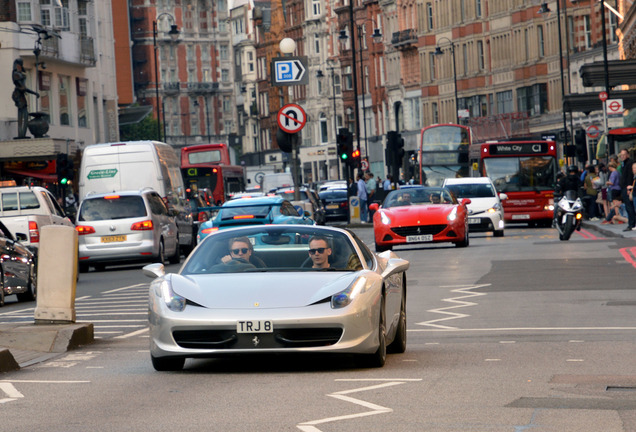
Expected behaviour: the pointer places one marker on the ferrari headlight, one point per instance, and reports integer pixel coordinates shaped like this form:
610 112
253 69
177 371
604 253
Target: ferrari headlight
384 218
173 301
346 296
452 215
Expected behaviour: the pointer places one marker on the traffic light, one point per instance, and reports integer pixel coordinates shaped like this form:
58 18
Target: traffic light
391 141
64 168
581 143
61 167
355 157
345 145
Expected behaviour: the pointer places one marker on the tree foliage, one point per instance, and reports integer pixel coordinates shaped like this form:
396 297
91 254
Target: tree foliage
144 130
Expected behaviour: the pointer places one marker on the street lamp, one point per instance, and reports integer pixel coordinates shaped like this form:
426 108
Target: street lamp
439 51
377 36
174 35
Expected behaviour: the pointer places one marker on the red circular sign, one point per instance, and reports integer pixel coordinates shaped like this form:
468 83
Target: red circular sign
614 106
592 131
602 96
292 118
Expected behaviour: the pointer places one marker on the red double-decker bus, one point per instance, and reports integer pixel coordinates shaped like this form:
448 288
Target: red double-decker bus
206 168
523 170
443 153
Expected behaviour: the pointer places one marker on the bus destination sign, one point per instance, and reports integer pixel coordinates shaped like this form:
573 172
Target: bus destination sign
518 149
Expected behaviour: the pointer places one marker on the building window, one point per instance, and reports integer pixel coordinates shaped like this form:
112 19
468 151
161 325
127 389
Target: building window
504 102
225 75
24 11
533 99
429 15
435 112
223 52
587 31
613 26
480 55
478 8
315 7
348 78
541 41
64 100
317 43
431 65
61 16
82 90
337 88
324 135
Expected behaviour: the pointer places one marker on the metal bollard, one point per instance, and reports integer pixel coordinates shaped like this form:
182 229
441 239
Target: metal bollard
57 275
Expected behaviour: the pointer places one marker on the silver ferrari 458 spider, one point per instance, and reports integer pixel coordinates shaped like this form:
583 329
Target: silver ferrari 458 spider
279 289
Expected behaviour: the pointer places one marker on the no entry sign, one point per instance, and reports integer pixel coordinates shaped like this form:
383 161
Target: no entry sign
291 118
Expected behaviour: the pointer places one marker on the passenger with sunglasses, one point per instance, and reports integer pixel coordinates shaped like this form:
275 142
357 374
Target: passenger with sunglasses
319 252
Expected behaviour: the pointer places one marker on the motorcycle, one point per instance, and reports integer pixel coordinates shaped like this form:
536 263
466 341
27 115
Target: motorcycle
569 215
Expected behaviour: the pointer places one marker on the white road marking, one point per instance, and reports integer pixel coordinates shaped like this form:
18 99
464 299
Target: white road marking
135 333
466 293
497 329
125 288
341 395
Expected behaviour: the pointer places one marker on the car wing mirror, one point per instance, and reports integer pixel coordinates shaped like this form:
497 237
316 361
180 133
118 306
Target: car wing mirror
503 196
374 207
154 270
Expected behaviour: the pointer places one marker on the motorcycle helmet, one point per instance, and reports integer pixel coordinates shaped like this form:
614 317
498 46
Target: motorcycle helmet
573 168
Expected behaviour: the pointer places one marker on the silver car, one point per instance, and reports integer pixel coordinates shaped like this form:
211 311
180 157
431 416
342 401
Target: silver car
125 226
278 289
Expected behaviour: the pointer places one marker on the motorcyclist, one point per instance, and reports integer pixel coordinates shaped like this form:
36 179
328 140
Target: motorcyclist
569 182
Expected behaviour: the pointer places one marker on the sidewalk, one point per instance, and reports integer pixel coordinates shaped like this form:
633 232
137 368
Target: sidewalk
22 345
608 230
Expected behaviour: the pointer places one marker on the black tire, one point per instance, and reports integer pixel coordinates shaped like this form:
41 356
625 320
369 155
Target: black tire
167 364
380 249
161 256
83 267
378 358
466 241
398 346
176 258
499 233
568 229
31 292
99 267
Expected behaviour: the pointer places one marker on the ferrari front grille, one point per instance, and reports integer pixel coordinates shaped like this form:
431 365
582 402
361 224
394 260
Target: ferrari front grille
281 338
419 230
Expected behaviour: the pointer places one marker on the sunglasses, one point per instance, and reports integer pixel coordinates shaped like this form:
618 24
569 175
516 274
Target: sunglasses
317 250
241 250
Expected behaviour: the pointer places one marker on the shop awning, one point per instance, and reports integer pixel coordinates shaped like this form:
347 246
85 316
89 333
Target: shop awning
619 72
588 102
51 178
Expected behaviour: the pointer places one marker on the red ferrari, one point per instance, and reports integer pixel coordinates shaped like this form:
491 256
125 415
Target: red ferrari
420 215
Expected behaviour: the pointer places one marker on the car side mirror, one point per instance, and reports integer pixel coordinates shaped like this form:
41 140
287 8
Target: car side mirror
466 201
503 196
374 207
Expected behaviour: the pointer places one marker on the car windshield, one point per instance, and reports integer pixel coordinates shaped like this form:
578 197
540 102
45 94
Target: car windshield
112 207
274 248
289 195
474 190
414 196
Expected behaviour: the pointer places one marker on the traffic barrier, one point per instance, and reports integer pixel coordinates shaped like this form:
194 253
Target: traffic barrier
57 275
354 209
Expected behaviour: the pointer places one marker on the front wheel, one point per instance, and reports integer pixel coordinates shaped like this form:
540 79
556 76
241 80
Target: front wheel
568 229
378 358
398 346
161 256
465 242
499 233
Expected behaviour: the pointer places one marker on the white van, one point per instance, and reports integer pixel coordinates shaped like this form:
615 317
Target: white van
134 165
273 181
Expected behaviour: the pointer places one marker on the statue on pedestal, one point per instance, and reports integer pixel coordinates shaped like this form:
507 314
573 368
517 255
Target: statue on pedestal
19 96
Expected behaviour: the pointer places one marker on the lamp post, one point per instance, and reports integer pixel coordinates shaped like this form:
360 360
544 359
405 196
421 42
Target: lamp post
439 51
377 35
546 9
174 34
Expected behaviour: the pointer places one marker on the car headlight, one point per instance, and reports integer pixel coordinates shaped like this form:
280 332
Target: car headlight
346 296
495 208
173 301
384 218
452 215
